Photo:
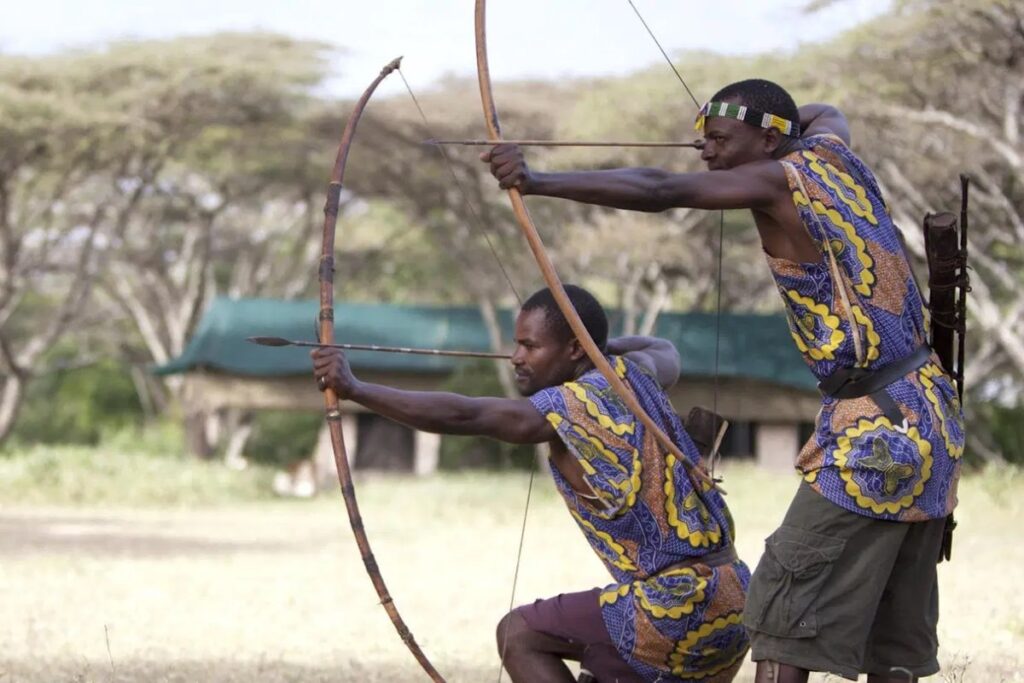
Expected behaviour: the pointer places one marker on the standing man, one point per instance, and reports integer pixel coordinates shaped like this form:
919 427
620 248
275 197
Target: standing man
848 583
674 611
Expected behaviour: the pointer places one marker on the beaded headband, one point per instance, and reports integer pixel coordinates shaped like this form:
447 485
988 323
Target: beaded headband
747 115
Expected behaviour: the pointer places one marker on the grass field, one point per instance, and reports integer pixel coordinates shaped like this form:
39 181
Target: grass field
275 591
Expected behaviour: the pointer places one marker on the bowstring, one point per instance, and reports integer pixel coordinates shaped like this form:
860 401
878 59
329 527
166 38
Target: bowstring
479 224
664 54
721 234
716 454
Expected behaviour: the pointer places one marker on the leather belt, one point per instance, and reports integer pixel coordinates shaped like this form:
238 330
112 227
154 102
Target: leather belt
858 382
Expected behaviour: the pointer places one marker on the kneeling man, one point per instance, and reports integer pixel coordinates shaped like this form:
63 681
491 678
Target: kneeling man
674 610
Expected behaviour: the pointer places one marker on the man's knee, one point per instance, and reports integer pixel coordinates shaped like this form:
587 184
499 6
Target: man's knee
512 634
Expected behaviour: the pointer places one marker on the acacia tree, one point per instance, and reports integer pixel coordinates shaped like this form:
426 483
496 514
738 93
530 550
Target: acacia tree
138 181
53 209
208 188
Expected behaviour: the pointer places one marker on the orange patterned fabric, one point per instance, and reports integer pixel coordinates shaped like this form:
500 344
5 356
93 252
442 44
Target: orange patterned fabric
670 622
871 315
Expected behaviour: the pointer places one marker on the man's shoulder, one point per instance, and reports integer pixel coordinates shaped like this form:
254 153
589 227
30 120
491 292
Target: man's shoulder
816 146
832 149
631 369
593 380
826 139
595 384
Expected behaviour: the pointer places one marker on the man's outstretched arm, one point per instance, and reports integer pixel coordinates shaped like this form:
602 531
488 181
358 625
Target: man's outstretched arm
511 420
750 186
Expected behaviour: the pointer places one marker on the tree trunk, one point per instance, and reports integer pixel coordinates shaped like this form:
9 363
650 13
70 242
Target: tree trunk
239 430
196 438
501 366
11 397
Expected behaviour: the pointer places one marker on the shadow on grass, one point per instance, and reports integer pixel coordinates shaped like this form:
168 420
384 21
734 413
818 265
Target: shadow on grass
220 671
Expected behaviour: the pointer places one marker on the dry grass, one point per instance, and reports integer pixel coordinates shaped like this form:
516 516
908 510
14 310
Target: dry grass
276 592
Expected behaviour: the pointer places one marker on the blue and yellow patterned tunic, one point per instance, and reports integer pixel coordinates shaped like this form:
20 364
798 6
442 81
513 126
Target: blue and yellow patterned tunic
857 458
670 622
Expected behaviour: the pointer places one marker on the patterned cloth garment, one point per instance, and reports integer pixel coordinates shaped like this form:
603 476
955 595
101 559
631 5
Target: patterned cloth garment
856 457
670 622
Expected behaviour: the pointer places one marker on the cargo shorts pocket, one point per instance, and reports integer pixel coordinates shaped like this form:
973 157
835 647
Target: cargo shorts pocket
783 591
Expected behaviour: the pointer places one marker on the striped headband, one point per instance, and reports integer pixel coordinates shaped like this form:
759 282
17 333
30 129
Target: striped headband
747 115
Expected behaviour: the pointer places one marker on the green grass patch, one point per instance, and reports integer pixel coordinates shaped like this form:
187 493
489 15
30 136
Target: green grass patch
121 475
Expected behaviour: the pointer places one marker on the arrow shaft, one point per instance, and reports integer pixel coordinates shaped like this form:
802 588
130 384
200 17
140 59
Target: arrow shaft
405 349
696 144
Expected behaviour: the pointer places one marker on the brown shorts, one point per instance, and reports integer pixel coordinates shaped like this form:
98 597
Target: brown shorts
574 622
840 592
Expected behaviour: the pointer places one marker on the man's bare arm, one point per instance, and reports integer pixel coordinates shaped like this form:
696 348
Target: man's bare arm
511 420
823 119
750 186
659 356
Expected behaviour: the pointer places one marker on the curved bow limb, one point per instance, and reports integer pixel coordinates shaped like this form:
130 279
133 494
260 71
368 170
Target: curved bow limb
551 277
333 411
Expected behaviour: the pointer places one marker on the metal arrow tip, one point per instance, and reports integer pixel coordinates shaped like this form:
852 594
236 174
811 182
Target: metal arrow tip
269 341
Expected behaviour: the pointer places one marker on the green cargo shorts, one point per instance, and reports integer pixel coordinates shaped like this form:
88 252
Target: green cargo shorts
840 592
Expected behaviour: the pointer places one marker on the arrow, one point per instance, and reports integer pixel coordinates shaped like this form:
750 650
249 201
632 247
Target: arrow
281 341
696 144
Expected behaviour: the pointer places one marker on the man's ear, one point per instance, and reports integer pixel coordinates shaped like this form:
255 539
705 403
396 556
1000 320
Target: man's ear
576 350
772 140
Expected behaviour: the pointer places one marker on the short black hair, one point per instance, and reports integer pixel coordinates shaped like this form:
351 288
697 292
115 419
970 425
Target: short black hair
587 307
762 95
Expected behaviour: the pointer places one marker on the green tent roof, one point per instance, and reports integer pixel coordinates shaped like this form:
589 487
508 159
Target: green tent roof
751 346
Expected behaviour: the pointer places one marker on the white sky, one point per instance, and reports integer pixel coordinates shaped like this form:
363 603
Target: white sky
526 38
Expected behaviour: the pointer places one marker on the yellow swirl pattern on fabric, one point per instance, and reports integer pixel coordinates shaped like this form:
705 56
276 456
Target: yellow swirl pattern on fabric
867 277
610 597
827 350
620 559
698 538
869 329
811 477
587 447
594 410
694 594
844 444
859 204
926 373
677 660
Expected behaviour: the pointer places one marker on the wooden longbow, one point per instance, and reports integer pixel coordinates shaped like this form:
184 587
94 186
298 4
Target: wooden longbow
333 412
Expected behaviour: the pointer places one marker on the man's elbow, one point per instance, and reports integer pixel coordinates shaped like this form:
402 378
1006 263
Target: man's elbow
526 433
668 377
671 365
660 191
